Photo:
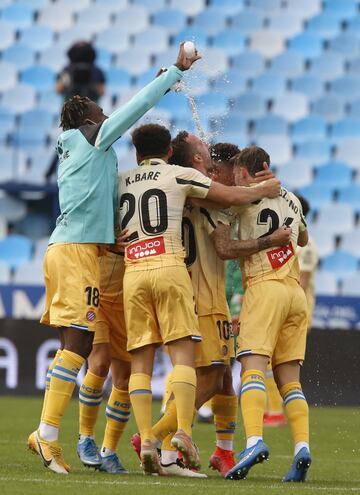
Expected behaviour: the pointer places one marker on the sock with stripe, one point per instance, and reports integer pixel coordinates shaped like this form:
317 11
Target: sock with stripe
168 452
184 390
47 380
90 397
62 384
224 408
253 403
117 415
141 401
297 411
168 423
274 400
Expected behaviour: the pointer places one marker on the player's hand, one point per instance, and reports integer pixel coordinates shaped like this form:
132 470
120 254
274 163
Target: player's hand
265 174
271 188
281 236
121 242
184 63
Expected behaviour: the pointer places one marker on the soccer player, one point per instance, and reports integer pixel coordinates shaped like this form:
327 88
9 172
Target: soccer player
206 236
273 320
88 197
158 294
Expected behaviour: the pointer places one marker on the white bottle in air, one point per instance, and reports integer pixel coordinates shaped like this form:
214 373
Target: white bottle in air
189 49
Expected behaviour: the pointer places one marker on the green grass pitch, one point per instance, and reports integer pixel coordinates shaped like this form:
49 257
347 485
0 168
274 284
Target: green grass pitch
335 442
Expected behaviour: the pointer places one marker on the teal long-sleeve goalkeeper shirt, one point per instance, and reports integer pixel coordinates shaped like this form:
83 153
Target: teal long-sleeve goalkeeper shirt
87 176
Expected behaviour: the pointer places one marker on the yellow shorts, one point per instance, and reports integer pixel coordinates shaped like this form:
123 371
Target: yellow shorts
111 329
159 306
273 321
71 273
217 344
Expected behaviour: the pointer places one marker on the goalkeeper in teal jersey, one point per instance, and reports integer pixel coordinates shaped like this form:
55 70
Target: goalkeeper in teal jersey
87 180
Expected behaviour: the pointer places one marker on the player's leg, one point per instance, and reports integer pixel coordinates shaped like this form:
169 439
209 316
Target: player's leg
90 397
274 414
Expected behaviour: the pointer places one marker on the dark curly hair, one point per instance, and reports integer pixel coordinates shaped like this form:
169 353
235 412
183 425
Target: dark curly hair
183 151
223 152
74 112
151 140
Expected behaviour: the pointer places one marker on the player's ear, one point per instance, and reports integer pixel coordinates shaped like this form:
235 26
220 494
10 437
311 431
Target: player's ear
265 166
138 158
170 152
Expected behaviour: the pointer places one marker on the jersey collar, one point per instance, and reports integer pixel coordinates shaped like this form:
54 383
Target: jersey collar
153 161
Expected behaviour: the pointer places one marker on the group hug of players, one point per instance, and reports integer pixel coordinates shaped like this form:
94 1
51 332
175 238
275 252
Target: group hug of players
114 302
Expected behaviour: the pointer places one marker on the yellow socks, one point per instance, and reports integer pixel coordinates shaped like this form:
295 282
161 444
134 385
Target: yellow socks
274 400
117 415
167 391
90 397
168 423
47 381
297 411
224 408
253 402
141 401
62 384
184 390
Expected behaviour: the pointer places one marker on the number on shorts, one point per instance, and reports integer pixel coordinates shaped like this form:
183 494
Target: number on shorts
93 296
224 328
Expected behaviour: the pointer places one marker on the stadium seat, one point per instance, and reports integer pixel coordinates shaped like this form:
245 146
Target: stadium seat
34 4
94 18
134 60
269 85
348 152
346 44
117 80
325 24
268 43
330 65
231 84
305 8
337 218
112 39
69 36
53 58
8 76
39 77
309 85
104 59
288 64
7 35
251 64
211 21
296 174
19 99
112 6
348 128
167 58
291 105
351 196
286 24
190 7
7 116
190 34
230 7
19 55
132 20
172 20
329 108
39 117
5 274
213 63
151 5
325 283
15 250
56 17
353 68
18 15
324 240
28 138
33 226
8 167
309 44
235 123
341 264
351 286
249 21
353 26
311 127
71 6
41 246
230 40
344 10
250 105
266 5
51 101
212 105
30 273
347 87
152 40
37 37
176 104
270 125
278 147
317 195
314 151
333 174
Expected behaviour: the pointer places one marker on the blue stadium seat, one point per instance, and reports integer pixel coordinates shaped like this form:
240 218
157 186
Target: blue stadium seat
134 60
270 5
288 64
324 240
351 286
211 21
94 18
167 58
190 7
232 84
34 226
310 44
132 20
250 105
354 109
250 63
56 17
347 151
146 77
8 76
309 85
317 196
326 24
249 21
152 40
40 77
305 8
213 63
112 39
314 151
22 56
325 283
41 246
353 27
30 273
37 37
296 174
341 264
104 59
329 65
7 35
269 85
286 24
270 124
347 87
353 68
38 117
19 99
73 7
345 129
278 147
176 104
329 108
117 80
268 43
172 20
151 5
212 104
51 101
233 122
230 40
190 34
5 273
311 127
54 58
8 167
7 116
344 10
230 7
112 6
346 44
351 196
26 138
69 36
337 218
291 105
35 4
334 174
15 250
18 15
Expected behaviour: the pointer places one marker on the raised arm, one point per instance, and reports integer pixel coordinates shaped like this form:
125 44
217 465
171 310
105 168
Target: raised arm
235 195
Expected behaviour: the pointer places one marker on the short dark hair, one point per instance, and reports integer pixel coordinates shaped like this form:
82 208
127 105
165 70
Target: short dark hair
223 152
305 205
151 140
252 158
182 150
74 112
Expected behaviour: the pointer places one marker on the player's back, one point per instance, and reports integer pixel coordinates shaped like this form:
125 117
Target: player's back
152 198
263 218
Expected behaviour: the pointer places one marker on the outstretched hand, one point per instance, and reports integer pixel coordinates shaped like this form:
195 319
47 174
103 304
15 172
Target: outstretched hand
183 62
